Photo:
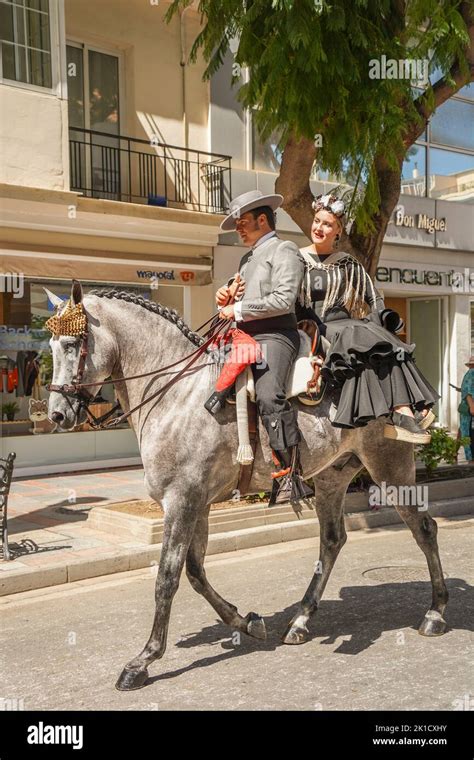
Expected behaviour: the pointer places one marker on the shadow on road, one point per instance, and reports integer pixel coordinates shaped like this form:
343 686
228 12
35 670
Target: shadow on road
362 613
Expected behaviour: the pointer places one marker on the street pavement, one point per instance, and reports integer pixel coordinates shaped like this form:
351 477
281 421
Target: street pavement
63 648
47 517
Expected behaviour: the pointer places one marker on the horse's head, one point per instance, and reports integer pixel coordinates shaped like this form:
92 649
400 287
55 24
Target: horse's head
84 351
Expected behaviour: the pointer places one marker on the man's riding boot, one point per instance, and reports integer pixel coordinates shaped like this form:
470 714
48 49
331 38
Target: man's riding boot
216 401
288 483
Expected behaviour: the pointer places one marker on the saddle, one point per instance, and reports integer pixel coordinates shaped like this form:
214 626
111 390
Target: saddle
305 378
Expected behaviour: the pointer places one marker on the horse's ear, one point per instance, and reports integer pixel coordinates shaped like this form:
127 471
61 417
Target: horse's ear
55 300
76 292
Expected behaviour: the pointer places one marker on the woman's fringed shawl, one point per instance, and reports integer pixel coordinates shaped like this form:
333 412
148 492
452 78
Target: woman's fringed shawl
348 284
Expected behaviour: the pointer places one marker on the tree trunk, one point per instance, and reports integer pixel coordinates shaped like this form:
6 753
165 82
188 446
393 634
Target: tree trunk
367 246
293 181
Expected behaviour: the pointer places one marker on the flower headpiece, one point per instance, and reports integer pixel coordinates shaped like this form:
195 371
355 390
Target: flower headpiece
70 321
330 203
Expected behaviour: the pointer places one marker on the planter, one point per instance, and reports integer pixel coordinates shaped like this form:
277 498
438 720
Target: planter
446 498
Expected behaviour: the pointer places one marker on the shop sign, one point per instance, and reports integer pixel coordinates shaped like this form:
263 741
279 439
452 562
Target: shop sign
458 281
185 276
420 221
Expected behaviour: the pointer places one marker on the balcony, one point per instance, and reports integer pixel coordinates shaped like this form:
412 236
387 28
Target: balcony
119 168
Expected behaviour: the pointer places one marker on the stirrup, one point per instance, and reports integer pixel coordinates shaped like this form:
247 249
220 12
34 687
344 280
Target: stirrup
312 399
404 428
288 484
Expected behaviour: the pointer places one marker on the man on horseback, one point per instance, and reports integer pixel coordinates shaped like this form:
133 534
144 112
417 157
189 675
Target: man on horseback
265 291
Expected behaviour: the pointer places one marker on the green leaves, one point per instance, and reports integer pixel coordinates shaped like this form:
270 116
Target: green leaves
309 68
443 447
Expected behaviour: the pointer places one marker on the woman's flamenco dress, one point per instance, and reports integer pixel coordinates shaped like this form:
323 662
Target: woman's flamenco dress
369 369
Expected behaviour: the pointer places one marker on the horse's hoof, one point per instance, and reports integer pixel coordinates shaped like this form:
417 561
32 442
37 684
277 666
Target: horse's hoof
129 680
295 635
256 626
433 624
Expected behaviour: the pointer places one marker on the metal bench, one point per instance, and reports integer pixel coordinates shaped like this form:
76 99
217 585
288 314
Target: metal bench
6 473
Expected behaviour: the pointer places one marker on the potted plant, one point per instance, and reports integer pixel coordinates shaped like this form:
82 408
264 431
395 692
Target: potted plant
9 410
443 447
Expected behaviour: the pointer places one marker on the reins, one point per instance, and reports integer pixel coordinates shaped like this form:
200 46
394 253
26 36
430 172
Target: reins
85 398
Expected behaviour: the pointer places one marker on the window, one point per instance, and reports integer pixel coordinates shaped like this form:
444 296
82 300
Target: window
453 124
450 172
451 175
25 38
94 103
414 171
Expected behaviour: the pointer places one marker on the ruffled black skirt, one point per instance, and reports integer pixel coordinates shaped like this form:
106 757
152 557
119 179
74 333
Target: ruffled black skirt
371 371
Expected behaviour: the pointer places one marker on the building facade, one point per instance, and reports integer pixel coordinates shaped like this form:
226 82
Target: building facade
106 175
116 164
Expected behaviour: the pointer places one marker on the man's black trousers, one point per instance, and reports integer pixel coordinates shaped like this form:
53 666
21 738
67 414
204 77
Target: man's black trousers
271 375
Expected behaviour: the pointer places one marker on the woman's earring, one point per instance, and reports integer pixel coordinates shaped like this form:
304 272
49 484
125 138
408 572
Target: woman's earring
336 241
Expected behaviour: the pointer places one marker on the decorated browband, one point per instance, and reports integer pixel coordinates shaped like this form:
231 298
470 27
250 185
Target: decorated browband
71 321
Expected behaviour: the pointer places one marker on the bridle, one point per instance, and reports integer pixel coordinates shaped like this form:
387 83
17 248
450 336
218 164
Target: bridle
77 389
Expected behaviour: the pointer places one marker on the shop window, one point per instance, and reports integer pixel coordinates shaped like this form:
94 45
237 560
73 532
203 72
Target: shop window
25 35
451 175
26 365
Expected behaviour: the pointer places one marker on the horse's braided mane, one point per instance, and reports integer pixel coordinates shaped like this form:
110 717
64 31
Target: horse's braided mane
157 308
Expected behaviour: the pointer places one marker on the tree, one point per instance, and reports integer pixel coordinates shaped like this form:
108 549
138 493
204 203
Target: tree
313 77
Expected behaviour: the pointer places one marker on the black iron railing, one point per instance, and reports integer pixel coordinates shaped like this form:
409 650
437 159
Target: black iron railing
130 169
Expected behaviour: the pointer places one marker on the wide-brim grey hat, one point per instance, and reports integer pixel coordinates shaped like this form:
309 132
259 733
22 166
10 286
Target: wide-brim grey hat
247 202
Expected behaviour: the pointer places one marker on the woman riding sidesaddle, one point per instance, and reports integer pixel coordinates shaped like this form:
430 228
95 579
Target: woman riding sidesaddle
370 371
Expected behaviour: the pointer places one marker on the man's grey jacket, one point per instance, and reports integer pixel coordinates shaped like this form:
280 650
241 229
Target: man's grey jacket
273 274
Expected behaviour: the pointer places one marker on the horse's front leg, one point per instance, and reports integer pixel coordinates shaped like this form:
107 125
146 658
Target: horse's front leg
329 502
252 624
179 527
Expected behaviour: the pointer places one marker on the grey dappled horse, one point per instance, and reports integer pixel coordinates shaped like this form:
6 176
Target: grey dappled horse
189 461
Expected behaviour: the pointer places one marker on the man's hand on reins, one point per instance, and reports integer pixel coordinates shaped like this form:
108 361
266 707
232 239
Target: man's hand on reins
225 297
227 312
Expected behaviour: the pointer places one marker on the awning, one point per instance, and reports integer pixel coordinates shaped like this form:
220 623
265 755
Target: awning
64 266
